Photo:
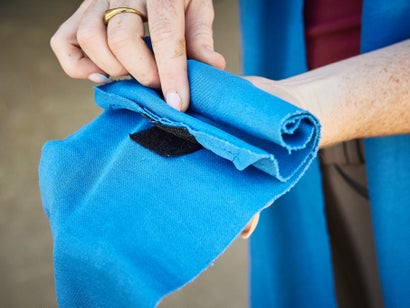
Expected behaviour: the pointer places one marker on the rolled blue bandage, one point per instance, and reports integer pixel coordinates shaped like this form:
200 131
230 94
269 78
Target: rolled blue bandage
129 225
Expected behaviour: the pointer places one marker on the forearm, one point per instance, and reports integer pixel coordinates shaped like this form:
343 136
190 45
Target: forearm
364 96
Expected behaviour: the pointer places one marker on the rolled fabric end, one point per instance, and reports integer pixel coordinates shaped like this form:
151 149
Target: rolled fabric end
231 117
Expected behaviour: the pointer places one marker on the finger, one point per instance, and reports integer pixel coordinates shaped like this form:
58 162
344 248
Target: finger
125 34
199 35
250 227
166 20
67 50
92 37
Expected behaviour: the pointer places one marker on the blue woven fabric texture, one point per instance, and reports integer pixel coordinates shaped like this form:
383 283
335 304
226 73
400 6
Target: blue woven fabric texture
130 226
290 252
228 108
388 165
290 262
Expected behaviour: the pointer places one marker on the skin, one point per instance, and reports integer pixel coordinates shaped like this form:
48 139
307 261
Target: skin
364 96
178 28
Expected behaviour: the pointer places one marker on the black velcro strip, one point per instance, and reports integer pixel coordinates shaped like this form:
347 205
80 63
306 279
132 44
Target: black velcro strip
167 141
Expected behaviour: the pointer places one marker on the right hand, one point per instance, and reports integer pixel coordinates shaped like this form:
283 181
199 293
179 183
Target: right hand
88 49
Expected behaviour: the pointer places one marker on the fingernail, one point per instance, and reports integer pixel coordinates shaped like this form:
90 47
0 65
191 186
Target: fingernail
99 78
250 227
174 100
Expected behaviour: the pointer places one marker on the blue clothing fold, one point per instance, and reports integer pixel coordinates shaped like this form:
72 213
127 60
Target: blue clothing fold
290 261
130 226
283 277
388 165
222 118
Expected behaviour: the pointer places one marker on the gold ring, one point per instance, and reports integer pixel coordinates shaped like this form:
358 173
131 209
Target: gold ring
108 14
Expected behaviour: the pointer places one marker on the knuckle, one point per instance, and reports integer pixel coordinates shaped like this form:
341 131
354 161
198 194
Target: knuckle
148 79
161 32
72 72
201 30
54 42
168 44
85 36
58 39
163 28
118 40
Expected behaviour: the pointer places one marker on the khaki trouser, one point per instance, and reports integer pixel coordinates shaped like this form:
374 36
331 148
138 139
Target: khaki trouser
350 226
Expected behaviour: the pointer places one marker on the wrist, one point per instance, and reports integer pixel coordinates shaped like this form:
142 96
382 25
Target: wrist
325 93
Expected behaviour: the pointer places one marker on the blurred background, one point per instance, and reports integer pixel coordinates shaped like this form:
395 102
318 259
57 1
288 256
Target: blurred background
38 102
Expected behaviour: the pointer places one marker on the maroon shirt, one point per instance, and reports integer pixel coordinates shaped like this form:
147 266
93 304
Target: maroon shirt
332 30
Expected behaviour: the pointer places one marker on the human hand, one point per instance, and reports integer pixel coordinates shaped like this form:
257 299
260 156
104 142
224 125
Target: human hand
88 49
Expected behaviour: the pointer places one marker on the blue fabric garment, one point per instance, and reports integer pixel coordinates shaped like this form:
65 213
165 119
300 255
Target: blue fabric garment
290 250
130 226
273 43
388 165
282 275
